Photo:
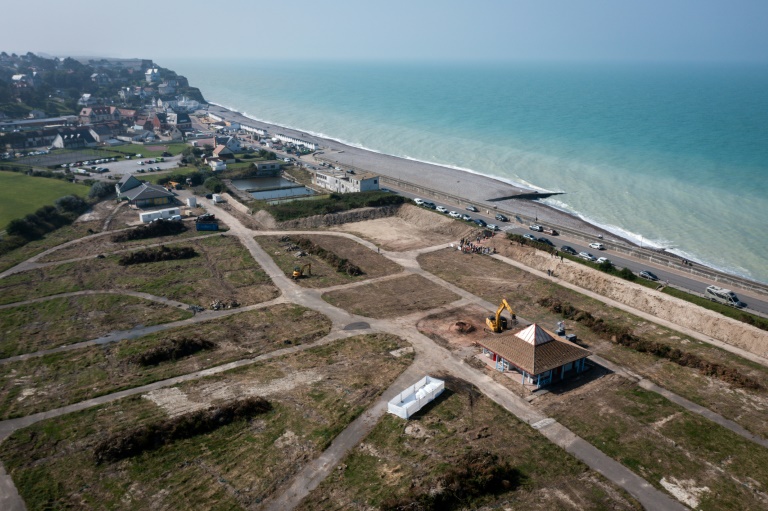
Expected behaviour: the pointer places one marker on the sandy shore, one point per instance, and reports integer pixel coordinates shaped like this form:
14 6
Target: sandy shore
470 186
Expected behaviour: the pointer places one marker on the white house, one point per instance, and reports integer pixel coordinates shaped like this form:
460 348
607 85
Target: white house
343 182
297 141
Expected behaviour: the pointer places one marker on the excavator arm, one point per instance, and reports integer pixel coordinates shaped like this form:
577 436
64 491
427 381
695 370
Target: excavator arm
498 323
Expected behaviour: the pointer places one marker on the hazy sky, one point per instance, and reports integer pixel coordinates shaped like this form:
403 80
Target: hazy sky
671 30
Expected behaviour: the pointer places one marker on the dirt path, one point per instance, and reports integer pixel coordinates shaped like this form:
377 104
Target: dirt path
137 294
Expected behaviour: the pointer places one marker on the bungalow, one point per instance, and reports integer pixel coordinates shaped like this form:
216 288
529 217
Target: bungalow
536 354
232 143
141 194
224 154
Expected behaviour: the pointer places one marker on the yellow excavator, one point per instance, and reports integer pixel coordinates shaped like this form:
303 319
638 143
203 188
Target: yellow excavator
299 272
498 323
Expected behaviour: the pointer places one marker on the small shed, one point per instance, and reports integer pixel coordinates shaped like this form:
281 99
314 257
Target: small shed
416 397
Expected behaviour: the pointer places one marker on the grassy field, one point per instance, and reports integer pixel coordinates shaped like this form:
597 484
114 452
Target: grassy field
56 380
235 467
493 280
154 178
21 194
59 321
150 151
223 270
409 458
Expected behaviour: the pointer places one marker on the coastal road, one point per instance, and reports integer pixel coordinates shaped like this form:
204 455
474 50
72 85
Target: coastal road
676 279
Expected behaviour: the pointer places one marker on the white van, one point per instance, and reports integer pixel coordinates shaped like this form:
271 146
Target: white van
724 296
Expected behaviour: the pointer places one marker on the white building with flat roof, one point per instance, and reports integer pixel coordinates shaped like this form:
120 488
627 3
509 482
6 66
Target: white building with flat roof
297 141
345 182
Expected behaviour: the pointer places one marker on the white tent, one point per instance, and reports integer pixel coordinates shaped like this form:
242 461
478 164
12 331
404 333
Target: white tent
415 397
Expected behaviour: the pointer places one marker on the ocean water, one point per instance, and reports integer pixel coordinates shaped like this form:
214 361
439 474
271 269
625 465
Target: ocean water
670 155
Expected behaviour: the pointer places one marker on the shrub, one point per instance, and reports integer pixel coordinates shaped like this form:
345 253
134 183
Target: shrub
214 184
172 349
158 254
101 189
341 265
152 230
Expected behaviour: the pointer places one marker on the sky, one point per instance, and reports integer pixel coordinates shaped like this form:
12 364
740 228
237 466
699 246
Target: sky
444 30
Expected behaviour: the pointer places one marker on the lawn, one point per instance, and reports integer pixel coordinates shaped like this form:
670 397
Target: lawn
21 194
314 395
150 151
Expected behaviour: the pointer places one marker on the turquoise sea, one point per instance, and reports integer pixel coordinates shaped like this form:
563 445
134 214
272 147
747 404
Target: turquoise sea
670 155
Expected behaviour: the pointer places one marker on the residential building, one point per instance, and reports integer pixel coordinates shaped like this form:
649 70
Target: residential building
141 194
345 182
268 168
224 154
77 138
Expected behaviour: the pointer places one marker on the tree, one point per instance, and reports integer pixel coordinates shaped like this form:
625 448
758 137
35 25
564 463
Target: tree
214 184
100 189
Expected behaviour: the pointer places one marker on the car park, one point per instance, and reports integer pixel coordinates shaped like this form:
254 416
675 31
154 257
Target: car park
648 275
442 209
480 222
601 260
454 214
472 209
536 228
530 237
501 218
587 256
568 250
466 218
597 246
546 240
493 227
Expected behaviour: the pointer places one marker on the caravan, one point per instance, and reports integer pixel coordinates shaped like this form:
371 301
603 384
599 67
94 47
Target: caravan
724 296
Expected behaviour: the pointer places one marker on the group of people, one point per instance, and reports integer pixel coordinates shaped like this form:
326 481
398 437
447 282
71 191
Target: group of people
470 247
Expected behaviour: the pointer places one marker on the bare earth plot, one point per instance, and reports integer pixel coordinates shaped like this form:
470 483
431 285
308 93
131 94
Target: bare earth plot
58 321
494 280
703 465
223 270
392 297
314 395
323 274
49 382
411 229
92 247
404 461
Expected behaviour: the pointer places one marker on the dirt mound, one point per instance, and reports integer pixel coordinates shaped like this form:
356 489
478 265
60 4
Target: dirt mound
265 220
344 217
662 306
434 222
462 327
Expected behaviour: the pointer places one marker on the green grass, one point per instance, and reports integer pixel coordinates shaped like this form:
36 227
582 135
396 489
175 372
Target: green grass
145 152
333 204
154 178
21 195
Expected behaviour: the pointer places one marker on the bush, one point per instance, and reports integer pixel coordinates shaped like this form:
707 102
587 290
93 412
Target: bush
341 265
159 254
172 349
626 274
101 189
155 435
334 204
214 184
152 230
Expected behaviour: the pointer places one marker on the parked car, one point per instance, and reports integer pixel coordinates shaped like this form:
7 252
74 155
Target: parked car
472 209
648 275
493 227
430 205
454 214
601 260
568 250
466 218
546 240
587 256
442 209
480 222
501 218
418 201
530 237
597 246
536 228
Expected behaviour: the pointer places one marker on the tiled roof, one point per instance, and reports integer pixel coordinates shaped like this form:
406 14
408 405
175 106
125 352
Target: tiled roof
147 191
534 358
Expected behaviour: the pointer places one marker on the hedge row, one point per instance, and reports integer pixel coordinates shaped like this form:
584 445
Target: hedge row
157 254
622 336
154 436
471 477
172 349
339 263
151 230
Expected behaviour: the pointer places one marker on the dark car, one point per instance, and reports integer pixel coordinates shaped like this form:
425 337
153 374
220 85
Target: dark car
429 205
568 250
472 208
546 240
648 275
501 218
480 222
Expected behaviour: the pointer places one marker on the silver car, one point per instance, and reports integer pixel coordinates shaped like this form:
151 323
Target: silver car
587 256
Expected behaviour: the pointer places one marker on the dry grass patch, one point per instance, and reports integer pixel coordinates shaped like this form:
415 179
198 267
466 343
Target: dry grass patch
59 321
323 274
234 467
405 458
391 298
224 270
52 381
664 444
493 280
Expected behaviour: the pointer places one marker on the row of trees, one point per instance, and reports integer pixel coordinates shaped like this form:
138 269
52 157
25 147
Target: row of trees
48 218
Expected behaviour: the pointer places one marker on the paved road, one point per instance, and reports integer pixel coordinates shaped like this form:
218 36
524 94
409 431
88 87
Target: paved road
428 355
